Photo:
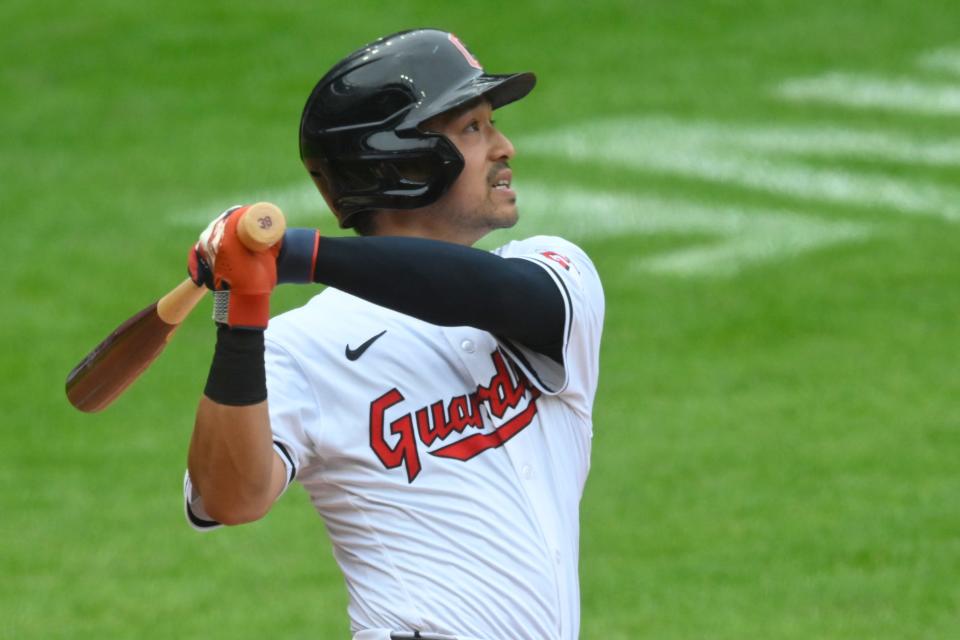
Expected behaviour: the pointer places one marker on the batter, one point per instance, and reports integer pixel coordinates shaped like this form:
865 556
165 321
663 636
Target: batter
434 400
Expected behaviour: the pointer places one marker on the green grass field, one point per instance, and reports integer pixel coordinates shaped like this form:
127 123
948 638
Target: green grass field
769 190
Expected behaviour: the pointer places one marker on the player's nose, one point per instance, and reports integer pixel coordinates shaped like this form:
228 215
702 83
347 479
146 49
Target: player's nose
502 148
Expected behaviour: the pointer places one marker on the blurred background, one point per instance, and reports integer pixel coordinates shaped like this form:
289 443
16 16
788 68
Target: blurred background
769 190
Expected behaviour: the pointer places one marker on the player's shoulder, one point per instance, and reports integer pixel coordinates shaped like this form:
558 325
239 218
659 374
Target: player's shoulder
558 253
538 245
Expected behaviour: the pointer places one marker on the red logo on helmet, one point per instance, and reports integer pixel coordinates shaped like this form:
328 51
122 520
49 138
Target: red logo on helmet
466 54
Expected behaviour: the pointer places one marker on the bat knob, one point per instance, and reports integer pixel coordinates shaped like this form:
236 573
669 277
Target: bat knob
261 226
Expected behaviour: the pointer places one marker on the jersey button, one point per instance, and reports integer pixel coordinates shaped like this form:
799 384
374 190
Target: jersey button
467 345
526 471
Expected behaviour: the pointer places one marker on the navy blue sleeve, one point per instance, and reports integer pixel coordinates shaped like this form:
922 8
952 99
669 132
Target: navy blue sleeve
448 285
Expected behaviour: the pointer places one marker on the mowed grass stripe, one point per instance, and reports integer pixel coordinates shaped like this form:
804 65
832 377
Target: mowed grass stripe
874 92
833 142
947 59
739 236
693 150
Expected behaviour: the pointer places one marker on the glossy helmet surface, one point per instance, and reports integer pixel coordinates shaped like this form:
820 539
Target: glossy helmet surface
359 135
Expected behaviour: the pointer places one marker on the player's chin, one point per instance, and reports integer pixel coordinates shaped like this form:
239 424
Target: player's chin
500 211
508 215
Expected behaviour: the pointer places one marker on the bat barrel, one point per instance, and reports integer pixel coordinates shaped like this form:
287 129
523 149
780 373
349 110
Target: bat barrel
116 362
121 357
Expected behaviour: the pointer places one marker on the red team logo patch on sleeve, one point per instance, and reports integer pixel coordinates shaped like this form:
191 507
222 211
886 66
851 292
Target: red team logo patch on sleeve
563 261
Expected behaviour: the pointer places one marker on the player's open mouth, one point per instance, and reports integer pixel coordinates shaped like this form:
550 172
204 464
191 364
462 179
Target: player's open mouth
502 180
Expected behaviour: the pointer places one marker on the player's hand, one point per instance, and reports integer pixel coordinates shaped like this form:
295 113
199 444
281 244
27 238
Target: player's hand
222 263
203 254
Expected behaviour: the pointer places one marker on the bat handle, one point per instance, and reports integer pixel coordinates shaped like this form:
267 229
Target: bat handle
174 307
261 226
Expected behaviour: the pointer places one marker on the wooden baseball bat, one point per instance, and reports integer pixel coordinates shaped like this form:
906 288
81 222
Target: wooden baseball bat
116 362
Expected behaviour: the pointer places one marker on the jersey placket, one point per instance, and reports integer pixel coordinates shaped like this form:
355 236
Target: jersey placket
474 349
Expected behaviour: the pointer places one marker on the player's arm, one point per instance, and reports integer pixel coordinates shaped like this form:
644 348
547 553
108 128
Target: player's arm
449 285
232 462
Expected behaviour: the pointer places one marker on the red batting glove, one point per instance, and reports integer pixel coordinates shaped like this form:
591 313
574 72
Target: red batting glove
203 254
221 262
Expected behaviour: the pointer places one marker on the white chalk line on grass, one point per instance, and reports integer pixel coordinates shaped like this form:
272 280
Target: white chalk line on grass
740 237
749 158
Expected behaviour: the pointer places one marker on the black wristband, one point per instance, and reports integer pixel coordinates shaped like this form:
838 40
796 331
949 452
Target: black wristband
237 374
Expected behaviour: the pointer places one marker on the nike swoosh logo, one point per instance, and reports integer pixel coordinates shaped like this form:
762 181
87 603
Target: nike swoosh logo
353 354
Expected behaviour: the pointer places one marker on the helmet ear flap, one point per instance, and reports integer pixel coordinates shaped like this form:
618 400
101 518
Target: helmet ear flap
437 159
406 176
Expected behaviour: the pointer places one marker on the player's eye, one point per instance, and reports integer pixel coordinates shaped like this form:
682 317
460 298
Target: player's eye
473 126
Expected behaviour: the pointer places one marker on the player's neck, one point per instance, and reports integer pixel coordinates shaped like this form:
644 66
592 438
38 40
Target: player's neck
414 225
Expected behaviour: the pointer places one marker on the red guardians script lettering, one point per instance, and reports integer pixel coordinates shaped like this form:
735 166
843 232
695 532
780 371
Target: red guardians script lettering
437 421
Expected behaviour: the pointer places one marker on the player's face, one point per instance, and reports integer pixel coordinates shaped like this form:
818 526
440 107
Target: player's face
481 199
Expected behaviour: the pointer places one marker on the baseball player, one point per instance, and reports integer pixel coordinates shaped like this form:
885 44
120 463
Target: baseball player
435 399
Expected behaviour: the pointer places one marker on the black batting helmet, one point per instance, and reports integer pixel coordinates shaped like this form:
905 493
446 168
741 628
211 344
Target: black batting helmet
359 135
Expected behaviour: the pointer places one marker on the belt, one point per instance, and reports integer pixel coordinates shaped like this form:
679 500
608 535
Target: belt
387 634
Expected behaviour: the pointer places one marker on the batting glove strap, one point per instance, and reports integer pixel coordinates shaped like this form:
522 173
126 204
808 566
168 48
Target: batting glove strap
221 306
241 311
199 269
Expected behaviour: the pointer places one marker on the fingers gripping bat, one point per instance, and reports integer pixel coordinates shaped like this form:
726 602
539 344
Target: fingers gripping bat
118 361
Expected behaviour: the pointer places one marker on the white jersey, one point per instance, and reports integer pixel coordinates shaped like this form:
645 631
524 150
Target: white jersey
447 465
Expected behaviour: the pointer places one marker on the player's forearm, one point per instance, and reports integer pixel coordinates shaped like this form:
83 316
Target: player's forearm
231 452
231 460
